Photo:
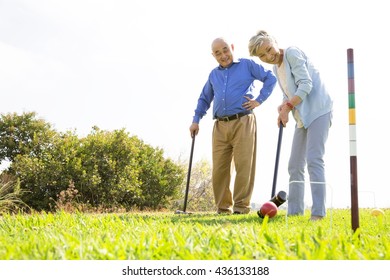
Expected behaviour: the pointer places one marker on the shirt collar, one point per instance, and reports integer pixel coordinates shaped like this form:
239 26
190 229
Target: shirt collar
235 61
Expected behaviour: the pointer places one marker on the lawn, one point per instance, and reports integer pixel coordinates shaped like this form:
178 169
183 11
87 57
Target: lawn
200 236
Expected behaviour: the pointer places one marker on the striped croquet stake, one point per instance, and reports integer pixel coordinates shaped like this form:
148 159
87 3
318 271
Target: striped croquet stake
352 141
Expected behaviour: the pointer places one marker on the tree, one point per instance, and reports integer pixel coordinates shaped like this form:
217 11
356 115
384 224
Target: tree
23 135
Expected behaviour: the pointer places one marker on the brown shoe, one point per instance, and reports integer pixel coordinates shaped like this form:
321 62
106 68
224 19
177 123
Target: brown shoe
316 218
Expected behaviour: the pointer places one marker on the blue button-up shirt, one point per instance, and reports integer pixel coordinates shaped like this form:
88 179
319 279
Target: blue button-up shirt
228 86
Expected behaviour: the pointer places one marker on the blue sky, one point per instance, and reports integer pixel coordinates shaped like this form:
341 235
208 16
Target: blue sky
140 65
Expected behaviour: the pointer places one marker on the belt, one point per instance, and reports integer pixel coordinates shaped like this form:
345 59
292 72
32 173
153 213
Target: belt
234 117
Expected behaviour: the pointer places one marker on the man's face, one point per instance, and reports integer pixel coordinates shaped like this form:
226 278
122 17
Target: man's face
222 52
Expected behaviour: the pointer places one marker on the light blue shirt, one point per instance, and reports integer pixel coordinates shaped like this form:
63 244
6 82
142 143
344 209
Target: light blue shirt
228 86
304 80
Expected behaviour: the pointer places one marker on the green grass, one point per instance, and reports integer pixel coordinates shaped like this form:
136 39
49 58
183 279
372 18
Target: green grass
204 236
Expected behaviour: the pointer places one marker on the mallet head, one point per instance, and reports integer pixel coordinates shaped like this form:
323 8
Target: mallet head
270 208
279 198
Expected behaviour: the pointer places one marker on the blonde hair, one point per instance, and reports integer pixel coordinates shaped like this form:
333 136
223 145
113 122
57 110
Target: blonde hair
256 41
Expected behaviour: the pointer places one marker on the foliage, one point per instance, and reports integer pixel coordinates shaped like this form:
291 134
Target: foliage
49 172
23 134
67 200
126 172
200 192
108 169
159 178
10 195
202 236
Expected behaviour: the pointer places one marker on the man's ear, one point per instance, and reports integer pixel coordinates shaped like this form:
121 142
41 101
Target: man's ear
232 46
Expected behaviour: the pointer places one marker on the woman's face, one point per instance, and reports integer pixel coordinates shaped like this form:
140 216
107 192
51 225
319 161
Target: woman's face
269 52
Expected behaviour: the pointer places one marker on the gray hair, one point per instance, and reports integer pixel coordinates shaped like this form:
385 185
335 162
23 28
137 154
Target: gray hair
256 41
217 40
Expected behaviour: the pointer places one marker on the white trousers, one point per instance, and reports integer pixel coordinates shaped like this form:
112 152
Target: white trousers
308 150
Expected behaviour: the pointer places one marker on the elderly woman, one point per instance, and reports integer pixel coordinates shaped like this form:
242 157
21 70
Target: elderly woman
306 97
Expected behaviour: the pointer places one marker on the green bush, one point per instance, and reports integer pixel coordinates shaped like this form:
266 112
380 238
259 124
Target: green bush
109 169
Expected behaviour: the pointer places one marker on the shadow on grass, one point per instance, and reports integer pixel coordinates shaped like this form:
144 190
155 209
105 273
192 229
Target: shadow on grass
219 219
204 218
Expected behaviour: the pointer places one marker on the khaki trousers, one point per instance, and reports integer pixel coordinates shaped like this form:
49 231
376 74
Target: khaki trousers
234 144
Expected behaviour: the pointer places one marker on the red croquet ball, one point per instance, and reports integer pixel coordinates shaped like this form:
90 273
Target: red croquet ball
269 209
